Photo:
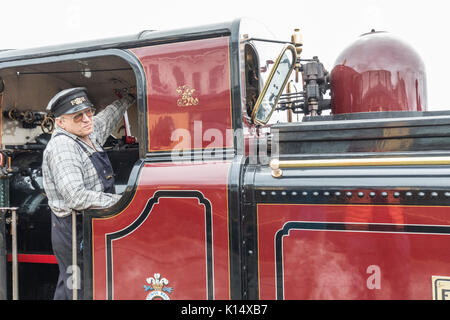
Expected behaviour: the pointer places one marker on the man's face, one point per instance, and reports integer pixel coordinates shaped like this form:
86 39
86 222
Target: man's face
80 123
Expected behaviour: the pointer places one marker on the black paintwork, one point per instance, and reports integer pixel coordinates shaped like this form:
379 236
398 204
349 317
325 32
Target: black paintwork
235 211
411 132
249 234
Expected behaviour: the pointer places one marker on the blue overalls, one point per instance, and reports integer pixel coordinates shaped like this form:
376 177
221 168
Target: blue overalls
62 230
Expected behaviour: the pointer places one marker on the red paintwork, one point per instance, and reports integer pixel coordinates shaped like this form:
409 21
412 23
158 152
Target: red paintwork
34 258
378 73
171 241
203 65
325 264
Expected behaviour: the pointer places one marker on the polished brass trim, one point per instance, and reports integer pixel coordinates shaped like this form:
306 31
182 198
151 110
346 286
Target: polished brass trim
269 79
276 164
297 39
289 89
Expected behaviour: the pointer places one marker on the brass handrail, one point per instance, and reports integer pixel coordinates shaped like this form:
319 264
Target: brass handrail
276 165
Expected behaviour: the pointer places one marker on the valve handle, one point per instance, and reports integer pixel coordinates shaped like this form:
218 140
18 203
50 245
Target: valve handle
48 124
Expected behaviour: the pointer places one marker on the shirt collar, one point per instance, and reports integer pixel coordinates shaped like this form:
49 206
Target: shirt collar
61 130
74 136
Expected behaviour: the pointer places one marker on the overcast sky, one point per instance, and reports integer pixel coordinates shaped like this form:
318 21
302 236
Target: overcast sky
327 26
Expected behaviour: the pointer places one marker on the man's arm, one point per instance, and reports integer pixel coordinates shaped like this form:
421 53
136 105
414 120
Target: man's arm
109 118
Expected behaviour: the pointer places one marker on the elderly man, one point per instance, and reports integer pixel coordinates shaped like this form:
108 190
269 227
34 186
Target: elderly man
77 173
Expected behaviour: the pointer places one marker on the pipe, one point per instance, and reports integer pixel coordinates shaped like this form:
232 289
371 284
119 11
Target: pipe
3 288
289 111
74 257
15 273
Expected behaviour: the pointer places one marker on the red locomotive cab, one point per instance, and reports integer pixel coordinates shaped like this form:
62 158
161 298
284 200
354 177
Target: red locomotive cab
378 72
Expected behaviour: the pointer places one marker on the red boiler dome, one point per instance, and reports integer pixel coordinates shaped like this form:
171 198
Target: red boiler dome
378 72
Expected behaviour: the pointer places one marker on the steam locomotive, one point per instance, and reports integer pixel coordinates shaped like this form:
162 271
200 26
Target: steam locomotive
247 171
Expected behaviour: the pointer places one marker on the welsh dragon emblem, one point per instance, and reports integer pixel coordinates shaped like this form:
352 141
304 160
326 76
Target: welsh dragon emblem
187 98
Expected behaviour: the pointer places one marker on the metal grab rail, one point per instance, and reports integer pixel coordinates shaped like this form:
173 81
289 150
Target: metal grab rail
276 165
15 270
74 257
3 287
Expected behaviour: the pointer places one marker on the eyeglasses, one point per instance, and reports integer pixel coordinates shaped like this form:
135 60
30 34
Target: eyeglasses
79 116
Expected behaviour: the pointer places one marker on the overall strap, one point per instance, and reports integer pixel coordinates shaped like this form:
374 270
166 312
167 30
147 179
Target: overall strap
89 153
102 165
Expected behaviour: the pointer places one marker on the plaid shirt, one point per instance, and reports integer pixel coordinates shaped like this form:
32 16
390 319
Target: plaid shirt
69 177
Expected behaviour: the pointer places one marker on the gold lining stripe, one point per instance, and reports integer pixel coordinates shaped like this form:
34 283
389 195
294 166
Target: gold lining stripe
276 164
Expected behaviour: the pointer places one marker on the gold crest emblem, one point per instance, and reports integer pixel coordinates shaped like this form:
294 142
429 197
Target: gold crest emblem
78 101
187 98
